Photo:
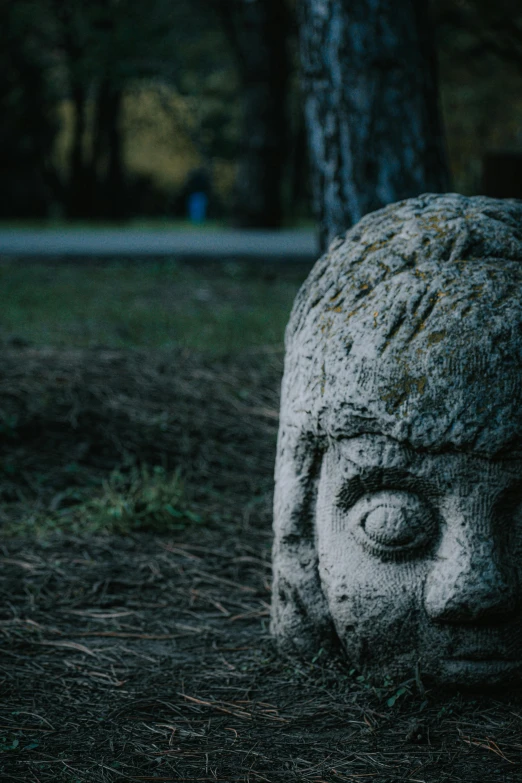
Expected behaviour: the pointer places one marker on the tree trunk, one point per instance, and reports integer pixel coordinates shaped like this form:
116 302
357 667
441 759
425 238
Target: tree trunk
115 165
107 154
371 106
78 196
263 62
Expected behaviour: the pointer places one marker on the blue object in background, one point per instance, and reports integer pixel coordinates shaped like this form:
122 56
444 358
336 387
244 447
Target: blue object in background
197 206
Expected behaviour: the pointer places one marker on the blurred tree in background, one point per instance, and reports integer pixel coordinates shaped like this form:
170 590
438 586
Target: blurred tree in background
74 74
109 106
258 32
480 57
27 100
109 47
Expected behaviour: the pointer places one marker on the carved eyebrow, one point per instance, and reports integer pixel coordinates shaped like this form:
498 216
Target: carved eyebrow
375 479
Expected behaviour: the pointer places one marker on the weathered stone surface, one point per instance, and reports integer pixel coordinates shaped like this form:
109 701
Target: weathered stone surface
398 505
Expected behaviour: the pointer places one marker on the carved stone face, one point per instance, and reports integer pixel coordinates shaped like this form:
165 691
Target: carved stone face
398 497
420 559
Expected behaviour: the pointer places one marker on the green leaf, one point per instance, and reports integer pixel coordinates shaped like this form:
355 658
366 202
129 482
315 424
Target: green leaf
391 701
193 516
13 745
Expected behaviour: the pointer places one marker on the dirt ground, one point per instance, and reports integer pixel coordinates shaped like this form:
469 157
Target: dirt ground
146 656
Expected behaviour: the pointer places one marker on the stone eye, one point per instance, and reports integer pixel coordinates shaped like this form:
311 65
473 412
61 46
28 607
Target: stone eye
392 522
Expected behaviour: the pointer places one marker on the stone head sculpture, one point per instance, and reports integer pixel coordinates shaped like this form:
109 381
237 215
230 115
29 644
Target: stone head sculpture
398 503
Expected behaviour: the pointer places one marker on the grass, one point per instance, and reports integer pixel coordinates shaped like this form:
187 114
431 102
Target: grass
217 308
140 310
146 499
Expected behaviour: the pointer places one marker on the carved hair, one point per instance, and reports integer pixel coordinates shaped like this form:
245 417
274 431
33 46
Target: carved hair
409 326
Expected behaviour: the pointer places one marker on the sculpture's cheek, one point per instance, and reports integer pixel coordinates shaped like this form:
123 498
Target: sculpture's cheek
376 607
374 555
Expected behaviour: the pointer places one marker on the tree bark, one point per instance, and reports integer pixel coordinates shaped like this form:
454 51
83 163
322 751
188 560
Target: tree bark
372 113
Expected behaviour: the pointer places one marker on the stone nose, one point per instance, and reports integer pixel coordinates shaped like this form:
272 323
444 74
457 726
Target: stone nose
470 582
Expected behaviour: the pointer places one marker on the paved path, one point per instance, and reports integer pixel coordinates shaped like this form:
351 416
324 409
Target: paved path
294 244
